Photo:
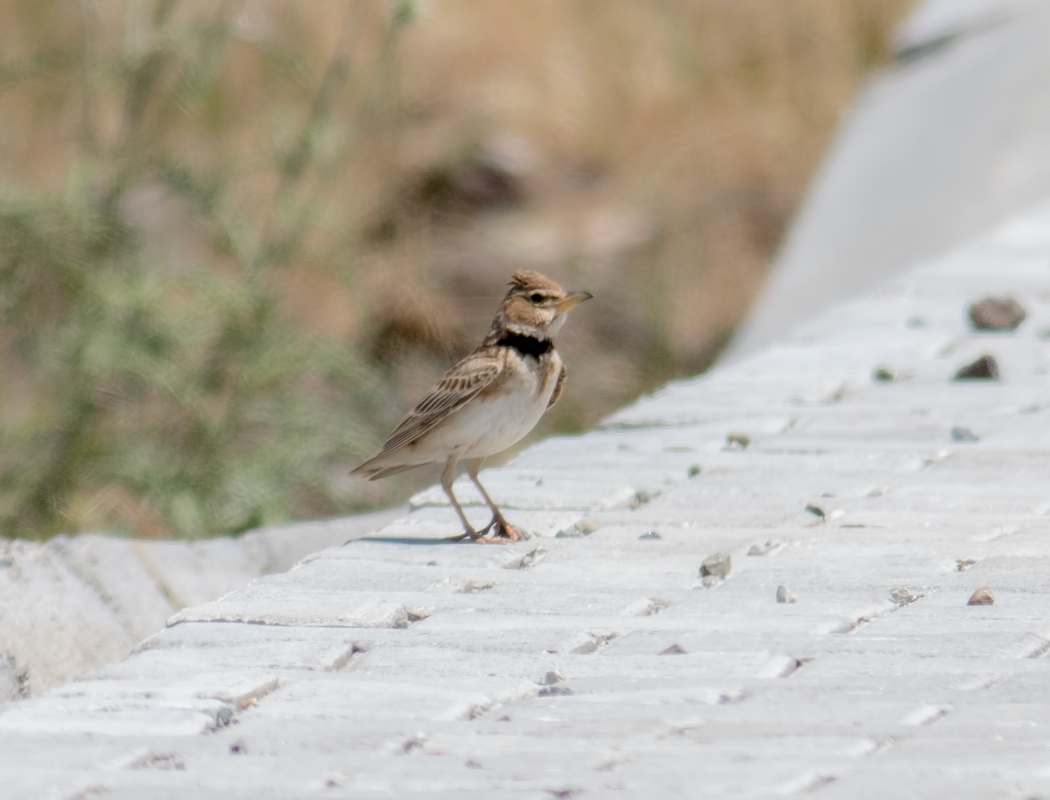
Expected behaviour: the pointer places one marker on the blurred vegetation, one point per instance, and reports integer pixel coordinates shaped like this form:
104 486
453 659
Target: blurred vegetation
238 240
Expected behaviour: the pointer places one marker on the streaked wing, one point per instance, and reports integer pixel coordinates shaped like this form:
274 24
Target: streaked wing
456 387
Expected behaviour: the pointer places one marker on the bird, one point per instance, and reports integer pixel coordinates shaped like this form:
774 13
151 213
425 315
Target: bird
487 401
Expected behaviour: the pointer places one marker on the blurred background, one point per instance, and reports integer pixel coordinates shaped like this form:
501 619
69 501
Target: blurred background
239 240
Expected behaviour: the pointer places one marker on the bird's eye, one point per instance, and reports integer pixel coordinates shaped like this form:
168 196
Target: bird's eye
536 298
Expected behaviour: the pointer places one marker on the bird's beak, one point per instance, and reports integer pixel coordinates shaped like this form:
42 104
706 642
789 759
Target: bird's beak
570 302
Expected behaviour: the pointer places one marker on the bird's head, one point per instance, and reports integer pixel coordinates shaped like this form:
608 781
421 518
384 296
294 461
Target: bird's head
536 306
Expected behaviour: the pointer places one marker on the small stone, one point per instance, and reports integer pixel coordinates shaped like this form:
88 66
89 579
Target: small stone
716 565
645 607
884 375
641 497
963 564
985 368
903 596
737 441
816 511
238 748
673 650
997 314
583 527
693 471
552 677
473 587
527 560
764 548
649 536
561 794
785 595
963 435
982 597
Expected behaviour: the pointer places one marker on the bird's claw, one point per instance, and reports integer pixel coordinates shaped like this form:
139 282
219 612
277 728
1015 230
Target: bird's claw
504 530
502 533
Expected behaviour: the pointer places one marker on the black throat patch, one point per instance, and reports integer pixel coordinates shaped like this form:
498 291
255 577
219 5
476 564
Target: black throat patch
526 345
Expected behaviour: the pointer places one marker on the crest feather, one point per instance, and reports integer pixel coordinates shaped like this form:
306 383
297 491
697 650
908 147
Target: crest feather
526 280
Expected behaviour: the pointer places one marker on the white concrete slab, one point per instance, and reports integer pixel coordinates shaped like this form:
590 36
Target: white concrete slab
594 658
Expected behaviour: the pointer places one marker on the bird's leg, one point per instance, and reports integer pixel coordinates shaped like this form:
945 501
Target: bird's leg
499 525
448 474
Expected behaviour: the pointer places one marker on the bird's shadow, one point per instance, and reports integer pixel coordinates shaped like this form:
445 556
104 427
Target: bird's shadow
407 540
414 540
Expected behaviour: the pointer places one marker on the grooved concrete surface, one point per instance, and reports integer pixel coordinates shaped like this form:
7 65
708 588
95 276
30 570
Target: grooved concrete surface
592 660
72 604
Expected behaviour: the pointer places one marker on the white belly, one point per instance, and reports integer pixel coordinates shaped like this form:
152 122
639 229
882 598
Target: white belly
491 423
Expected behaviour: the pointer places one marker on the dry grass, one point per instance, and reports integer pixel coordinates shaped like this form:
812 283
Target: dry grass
378 178
663 149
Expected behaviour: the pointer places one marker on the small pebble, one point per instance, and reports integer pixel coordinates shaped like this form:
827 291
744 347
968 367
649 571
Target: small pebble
884 374
963 564
963 435
764 548
561 794
716 565
903 596
985 368
673 650
982 597
694 470
785 595
641 497
737 441
649 536
997 314
583 527
816 511
552 677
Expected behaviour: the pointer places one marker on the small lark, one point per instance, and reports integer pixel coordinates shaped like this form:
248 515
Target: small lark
489 400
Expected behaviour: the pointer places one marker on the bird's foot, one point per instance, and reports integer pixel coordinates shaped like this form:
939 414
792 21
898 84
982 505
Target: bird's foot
479 537
504 531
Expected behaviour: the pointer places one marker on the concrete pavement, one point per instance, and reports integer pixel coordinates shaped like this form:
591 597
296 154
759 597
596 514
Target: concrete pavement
593 659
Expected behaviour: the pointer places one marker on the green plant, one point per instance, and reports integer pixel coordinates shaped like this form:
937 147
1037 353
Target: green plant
165 391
